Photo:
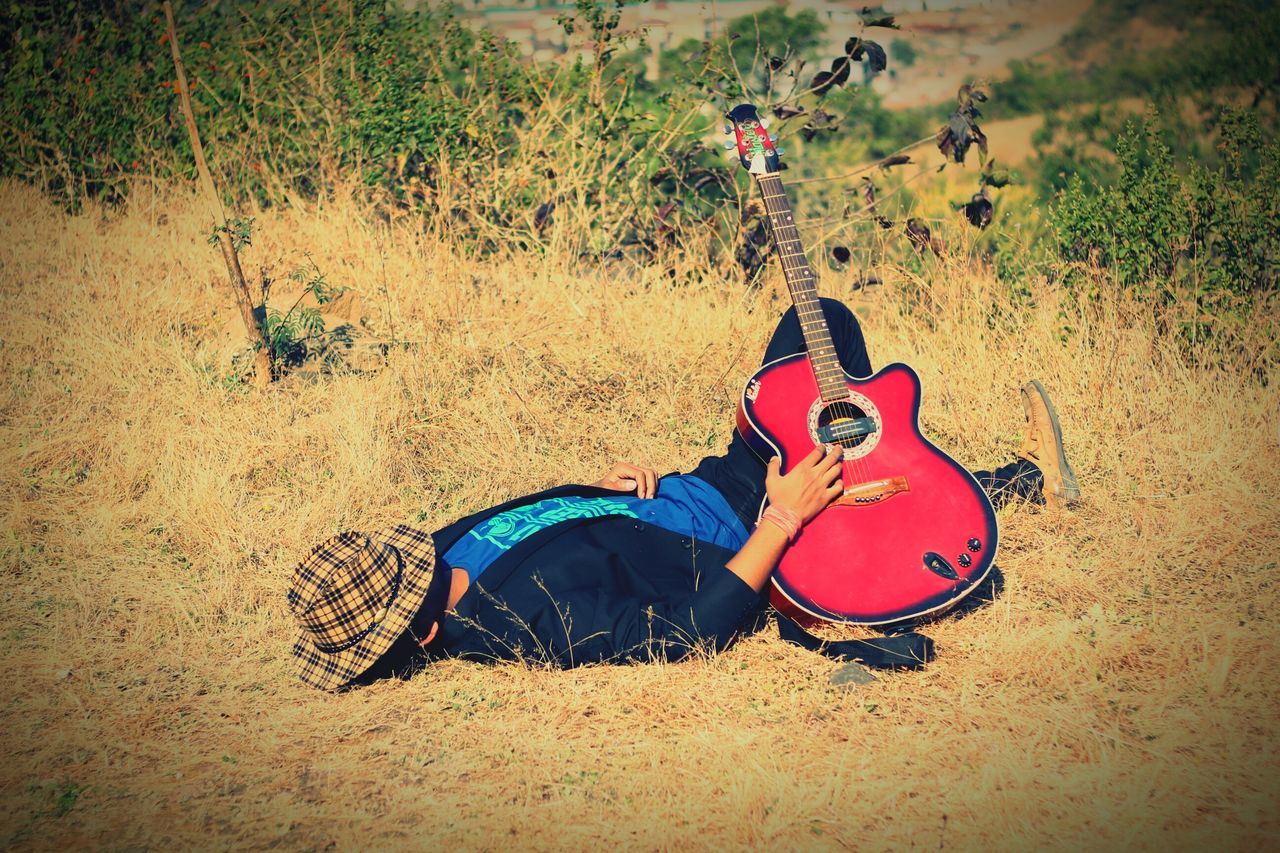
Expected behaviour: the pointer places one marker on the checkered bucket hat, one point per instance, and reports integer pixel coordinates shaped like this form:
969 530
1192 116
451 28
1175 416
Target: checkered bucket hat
354 596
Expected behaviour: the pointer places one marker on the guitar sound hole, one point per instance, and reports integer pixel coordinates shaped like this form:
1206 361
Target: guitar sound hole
846 424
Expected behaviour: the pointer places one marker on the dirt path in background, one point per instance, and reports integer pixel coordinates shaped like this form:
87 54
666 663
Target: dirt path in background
960 40
975 42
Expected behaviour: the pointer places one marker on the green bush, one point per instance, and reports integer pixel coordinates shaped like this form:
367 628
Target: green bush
430 118
1203 236
287 97
1221 47
296 101
903 52
742 52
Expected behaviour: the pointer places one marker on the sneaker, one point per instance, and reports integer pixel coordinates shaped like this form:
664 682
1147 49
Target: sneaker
1042 447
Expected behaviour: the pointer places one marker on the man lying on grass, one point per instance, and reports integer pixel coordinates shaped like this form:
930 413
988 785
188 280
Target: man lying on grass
631 568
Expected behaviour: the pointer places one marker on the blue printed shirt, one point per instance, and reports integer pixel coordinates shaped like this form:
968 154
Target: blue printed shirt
683 504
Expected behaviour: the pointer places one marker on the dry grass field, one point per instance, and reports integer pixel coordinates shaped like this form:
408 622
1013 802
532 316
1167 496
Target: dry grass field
1120 691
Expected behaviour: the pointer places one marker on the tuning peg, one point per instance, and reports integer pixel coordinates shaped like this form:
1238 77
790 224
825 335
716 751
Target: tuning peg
729 145
779 151
728 129
764 122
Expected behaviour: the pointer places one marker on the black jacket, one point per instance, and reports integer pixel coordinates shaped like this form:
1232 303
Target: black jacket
614 588
596 589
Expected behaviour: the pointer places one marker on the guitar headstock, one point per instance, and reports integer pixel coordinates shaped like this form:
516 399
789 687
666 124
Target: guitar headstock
755 147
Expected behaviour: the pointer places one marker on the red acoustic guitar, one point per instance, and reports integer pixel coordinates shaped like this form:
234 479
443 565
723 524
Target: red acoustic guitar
914 532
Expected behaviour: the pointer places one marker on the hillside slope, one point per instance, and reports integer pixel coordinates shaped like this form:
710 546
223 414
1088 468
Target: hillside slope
1118 692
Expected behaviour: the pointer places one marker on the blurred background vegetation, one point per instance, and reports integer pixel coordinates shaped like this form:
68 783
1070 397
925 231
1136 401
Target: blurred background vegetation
1154 168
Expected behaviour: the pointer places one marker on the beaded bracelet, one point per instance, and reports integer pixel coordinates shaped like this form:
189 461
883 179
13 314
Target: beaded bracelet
784 518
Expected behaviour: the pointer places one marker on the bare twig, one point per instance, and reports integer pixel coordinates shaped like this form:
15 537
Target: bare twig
867 167
253 323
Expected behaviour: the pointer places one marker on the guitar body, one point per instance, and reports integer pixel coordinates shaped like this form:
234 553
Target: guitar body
914 532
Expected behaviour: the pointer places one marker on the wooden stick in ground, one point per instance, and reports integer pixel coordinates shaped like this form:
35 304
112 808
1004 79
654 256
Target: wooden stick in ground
252 323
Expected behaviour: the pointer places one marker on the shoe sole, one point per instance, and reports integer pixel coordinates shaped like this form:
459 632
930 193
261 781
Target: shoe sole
1070 488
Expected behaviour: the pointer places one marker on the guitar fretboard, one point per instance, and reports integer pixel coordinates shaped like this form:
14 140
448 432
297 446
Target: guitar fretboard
802 284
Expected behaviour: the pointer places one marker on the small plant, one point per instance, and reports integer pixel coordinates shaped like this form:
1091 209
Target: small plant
63 796
903 52
300 333
241 231
68 794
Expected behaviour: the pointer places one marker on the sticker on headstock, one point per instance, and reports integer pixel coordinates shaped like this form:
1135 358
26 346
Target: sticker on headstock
755 148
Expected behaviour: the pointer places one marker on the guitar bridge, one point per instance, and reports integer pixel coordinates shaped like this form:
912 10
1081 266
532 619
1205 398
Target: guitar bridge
872 491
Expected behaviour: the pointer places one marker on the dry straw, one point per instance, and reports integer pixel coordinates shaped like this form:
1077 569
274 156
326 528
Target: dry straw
1119 692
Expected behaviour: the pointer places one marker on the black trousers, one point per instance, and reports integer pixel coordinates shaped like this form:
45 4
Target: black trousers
739 473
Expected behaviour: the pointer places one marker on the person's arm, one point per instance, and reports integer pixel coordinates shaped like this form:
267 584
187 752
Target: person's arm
586 625
623 628
805 490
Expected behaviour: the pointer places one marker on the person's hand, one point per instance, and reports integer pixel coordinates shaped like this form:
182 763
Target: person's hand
625 477
810 486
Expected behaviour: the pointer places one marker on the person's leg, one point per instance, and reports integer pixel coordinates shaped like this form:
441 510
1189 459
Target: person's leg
846 335
1019 480
1041 473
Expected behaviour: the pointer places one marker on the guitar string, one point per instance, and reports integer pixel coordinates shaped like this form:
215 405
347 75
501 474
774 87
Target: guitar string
790 247
806 311
826 371
805 308
856 469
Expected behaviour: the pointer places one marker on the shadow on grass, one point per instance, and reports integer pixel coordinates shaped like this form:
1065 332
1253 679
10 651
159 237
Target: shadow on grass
989 590
405 659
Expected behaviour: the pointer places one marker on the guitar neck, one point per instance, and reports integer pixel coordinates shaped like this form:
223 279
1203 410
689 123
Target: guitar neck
802 284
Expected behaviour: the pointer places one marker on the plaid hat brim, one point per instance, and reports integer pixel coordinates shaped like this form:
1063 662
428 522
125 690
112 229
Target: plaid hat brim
420 582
